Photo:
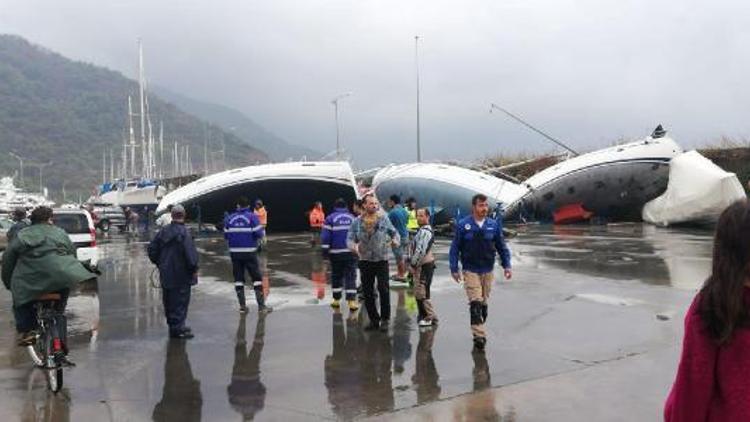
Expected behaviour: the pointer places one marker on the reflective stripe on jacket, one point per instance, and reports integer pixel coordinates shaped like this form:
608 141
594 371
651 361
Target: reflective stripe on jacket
243 231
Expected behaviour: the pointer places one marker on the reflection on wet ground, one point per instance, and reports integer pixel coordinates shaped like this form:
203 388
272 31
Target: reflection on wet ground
571 308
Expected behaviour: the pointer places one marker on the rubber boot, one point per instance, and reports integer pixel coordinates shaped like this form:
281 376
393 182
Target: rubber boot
241 298
261 298
484 312
421 311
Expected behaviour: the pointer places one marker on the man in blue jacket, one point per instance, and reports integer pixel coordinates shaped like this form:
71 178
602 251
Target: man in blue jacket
476 241
243 233
343 263
173 251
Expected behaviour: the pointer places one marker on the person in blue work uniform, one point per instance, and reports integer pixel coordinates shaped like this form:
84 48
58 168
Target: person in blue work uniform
343 262
173 251
243 233
476 241
399 217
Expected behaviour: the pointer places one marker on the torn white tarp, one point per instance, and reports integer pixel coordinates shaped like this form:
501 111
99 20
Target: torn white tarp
697 192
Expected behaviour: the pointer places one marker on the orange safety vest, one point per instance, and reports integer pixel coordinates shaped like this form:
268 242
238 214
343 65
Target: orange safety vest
317 218
262 215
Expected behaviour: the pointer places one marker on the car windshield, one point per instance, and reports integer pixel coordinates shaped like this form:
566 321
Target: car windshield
72 223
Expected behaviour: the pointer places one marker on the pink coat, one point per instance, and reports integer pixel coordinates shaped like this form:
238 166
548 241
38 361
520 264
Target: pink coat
712 383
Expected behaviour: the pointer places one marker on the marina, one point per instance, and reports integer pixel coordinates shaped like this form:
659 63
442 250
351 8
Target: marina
557 332
374 211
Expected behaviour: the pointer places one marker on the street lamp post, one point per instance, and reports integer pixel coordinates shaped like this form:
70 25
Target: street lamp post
416 65
335 103
41 173
20 160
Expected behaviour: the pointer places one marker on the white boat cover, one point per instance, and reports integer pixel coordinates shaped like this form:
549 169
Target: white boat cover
697 192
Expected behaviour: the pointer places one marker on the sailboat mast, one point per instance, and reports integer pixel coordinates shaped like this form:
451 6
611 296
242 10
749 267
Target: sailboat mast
161 149
132 137
144 154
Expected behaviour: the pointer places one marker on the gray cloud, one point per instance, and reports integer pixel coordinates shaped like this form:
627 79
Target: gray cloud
588 71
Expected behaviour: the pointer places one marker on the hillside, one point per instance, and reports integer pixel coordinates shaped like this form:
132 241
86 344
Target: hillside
55 109
240 125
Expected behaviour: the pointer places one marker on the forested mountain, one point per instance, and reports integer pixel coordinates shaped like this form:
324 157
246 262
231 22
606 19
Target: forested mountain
56 110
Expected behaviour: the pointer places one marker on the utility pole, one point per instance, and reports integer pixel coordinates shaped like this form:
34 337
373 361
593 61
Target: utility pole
416 62
20 160
41 172
335 103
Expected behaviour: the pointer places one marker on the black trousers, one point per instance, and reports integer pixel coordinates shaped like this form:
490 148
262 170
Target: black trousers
369 272
246 262
176 301
344 276
25 314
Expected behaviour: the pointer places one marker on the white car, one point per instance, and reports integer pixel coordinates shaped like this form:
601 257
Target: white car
80 228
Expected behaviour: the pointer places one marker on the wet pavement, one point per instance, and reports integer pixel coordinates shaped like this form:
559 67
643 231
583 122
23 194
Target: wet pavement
589 328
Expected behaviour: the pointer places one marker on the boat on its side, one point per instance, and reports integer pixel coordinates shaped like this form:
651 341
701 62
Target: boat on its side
288 191
612 183
445 188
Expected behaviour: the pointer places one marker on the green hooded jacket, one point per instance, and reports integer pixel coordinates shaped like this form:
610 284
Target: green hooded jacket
41 259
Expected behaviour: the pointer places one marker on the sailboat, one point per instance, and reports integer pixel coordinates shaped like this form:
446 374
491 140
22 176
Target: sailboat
137 191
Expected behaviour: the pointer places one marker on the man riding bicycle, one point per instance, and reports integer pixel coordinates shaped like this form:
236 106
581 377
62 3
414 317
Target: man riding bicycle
40 259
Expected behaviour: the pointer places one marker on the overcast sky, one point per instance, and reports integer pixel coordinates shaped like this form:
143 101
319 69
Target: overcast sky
587 71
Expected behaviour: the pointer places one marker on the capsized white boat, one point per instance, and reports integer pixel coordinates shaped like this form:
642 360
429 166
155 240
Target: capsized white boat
613 183
697 193
288 191
445 188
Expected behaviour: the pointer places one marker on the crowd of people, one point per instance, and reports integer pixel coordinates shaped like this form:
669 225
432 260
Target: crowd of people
711 382
363 237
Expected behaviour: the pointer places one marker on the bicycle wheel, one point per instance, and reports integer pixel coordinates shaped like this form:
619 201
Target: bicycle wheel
55 379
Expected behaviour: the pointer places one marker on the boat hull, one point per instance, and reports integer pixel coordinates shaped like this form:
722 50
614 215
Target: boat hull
446 189
287 201
288 191
615 191
445 200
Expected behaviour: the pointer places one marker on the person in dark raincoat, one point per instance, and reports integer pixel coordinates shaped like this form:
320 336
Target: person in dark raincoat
19 222
173 251
40 259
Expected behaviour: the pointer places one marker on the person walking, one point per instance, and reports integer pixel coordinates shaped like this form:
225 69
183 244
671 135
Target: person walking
343 263
173 252
399 217
711 382
243 233
133 218
262 213
369 237
317 218
422 264
476 241
19 222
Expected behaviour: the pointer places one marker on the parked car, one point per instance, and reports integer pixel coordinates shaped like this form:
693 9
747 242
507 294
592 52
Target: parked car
105 217
80 228
5 225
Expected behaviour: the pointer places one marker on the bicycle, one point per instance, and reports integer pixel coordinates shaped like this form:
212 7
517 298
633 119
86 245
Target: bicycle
49 351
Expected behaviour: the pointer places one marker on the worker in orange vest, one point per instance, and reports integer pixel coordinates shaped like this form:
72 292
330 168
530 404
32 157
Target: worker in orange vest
260 211
317 218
